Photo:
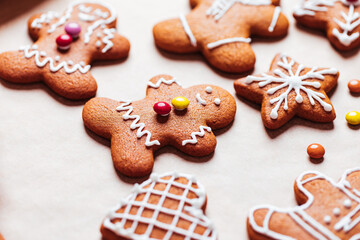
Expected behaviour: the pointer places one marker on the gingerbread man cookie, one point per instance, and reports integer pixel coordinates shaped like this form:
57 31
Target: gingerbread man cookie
64 47
328 210
339 18
139 128
221 30
290 89
167 206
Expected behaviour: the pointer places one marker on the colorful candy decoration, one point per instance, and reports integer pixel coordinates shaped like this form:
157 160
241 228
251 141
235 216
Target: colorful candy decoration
73 29
64 41
180 103
316 151
354 86
162 108
353 118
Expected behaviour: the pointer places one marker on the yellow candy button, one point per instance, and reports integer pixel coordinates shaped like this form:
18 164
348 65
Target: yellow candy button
353 118
180 103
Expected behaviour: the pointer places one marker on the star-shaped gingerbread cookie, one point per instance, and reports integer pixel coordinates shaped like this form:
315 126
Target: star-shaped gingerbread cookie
65 45
340 19
290 89
328 210
139 128
169 206
221 30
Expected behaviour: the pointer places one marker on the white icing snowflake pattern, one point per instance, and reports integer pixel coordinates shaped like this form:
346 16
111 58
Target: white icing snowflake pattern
294 81
352 21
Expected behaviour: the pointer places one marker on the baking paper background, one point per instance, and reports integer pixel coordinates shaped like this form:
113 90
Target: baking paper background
57 180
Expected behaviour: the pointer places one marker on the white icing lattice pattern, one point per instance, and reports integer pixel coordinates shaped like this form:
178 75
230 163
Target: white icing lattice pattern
188 209
41 61
352 21
135 124
294 81
298 214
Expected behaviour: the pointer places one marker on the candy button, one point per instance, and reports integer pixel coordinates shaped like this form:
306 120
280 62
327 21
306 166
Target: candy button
63 41
180 103
162 108
354 86
353 118
73 29
316 151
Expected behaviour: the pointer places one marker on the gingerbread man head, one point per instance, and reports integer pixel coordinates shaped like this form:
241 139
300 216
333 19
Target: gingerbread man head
221 30
328 210
169 115
167 206
339 18
65 45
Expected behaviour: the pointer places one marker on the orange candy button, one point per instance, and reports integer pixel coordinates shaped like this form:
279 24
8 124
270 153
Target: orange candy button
354 86
316 151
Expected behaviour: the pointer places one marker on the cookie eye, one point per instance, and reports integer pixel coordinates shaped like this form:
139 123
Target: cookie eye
208 90
217 101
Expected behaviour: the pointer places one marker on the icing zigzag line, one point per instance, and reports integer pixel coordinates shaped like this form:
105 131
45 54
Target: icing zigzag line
195 134
106 40
135 124
30 53
162 80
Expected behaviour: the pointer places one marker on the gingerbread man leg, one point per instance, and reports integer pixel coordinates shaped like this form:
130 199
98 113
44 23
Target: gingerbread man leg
171 36
12 68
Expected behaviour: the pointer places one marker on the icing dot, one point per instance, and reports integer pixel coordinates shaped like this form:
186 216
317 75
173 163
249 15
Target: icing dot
154 177
35 47
98 35
354 86
42 53
98 43
70 62
336 211
316 151
180 103
208 90
353 118
327 219
57 58
82 63
162 108
217 101
347 203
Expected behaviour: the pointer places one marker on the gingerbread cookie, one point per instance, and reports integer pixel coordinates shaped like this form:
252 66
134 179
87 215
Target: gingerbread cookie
221 30
64 47
139 128
340 19
167 206
290 89
328 210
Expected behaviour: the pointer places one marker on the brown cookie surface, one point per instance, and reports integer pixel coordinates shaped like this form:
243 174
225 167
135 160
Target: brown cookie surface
221 31
67 72
328 210
136 130
340 19
290 89
167 206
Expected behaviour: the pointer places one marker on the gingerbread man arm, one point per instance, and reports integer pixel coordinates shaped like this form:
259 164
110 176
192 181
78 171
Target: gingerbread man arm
120 47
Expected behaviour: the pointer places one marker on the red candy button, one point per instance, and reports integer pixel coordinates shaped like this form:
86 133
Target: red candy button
354 86
63 41
316 151
162 108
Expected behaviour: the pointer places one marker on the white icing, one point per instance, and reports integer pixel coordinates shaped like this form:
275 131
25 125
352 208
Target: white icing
34 46
208 90
193 139
57 58
227 41
294 82
188 209
106 40
309 7
98 35
70 63
85 9
188 31
86 17
135 124
200 100
98 44
298 214
28 53
327 219
217 101
352 21
219 8
82 63
336 212
275 19
163 81
42 53
347 203
44 18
